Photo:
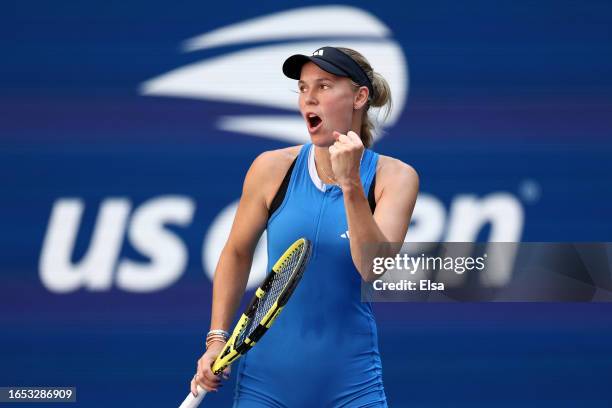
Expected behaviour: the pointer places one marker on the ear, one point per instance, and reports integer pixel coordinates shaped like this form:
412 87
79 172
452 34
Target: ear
361 97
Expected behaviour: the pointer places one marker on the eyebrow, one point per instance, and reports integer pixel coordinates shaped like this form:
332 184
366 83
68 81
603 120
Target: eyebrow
320 79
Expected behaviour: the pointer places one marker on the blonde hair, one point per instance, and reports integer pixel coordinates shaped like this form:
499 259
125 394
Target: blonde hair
381 97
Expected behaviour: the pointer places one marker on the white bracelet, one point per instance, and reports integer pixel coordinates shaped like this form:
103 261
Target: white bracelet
218 332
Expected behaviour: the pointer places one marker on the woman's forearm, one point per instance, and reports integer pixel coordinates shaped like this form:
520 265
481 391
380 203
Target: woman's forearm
362 227
229 283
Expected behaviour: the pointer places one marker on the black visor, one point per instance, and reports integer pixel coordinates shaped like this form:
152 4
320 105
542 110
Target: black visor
331 60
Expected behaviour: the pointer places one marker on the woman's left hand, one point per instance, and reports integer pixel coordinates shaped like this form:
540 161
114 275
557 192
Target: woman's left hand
345 155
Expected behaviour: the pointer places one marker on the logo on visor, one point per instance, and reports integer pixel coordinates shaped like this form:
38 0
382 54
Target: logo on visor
318 52
268 40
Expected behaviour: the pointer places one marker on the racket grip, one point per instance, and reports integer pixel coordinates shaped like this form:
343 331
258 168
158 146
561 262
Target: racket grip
194 402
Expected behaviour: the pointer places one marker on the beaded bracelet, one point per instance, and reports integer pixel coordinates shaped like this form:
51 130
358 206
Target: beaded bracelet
216 335
218 331
213 340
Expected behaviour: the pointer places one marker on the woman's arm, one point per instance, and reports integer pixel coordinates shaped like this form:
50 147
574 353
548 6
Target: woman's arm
234 263
232 272
398 185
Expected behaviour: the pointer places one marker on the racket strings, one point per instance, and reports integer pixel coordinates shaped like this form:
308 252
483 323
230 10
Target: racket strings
281 278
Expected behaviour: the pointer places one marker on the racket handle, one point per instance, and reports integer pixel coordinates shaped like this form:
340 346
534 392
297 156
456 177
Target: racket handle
194 402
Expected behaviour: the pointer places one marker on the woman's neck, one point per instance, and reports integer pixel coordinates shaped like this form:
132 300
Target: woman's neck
323 165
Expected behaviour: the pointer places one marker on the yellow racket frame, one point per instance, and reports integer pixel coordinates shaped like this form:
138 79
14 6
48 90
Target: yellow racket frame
230 353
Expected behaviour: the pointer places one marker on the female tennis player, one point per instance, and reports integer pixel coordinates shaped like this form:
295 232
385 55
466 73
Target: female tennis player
340 195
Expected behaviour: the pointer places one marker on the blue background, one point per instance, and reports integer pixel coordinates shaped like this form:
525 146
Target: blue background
500 92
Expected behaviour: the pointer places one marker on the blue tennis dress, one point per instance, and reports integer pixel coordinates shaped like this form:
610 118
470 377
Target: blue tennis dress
322 350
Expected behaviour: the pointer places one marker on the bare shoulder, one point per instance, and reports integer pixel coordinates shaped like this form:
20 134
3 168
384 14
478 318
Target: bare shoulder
268 171
394 172
276 161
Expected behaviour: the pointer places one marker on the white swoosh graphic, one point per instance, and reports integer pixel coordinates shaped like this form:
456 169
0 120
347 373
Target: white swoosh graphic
253 76
318 21
278 127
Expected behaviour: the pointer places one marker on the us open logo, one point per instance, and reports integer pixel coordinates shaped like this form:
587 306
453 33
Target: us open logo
253 75
250 76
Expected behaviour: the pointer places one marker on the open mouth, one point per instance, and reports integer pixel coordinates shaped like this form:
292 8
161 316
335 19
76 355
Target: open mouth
314 122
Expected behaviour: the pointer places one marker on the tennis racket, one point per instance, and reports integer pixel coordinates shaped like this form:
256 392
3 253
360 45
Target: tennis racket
267 303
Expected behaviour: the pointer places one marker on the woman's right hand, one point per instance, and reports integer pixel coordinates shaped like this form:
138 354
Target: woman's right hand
204 376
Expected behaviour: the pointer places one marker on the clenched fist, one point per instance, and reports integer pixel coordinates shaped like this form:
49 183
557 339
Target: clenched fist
345 155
